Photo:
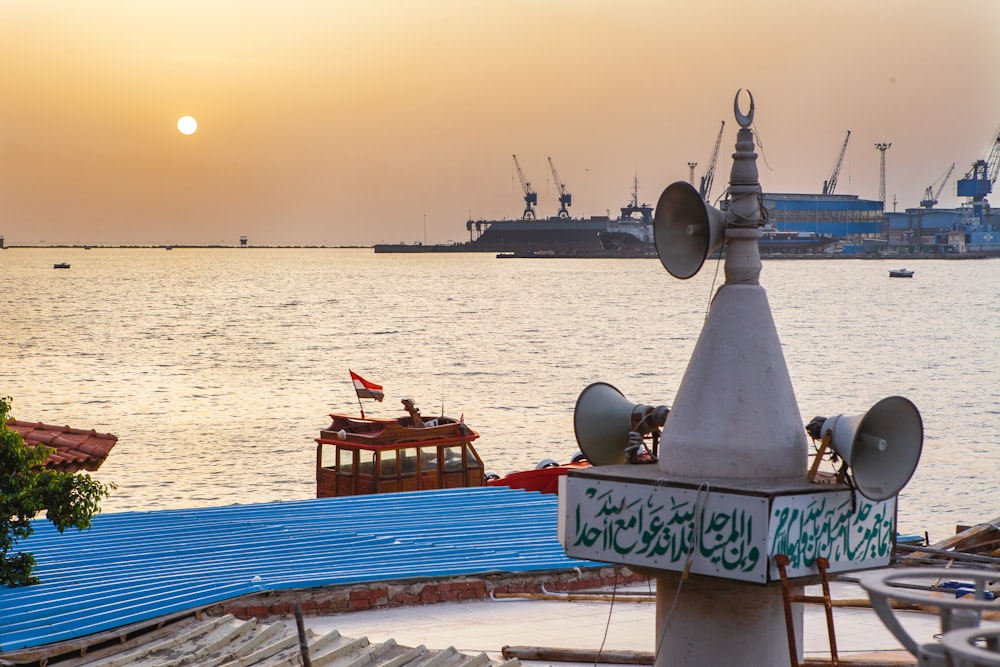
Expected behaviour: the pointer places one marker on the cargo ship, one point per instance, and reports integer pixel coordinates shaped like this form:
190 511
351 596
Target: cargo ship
560 234
796 224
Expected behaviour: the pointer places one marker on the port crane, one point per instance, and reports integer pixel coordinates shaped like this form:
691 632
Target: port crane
830 184
706 181
931 194
530 196
565 198
979 181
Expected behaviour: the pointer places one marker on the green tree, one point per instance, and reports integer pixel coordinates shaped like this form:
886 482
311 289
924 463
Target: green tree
26 488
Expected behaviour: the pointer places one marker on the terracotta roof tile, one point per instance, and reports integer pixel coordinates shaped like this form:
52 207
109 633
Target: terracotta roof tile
76 449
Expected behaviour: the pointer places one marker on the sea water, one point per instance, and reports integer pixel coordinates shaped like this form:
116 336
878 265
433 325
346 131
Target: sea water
217 368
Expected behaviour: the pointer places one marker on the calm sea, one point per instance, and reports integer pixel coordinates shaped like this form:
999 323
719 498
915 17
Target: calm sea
216 368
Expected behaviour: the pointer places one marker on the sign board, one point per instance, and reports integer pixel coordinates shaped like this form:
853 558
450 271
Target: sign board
730 531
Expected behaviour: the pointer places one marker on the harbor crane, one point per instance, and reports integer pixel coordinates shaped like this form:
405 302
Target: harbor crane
931 194
706 181
565 198
830 184
979 181
530 196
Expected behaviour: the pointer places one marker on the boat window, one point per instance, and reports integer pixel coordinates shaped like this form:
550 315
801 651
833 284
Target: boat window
366 463
428 459
387 465
408 461
473 458
345 460
453 457
327 456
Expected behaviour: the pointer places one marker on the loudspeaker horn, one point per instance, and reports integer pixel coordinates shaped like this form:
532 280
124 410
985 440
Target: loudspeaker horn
686 230
881 447
604 418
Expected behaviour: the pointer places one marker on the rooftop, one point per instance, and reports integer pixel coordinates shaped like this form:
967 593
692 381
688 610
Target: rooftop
143 570
131 567
75 449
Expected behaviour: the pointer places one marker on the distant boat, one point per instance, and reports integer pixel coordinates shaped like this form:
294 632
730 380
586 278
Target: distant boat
60 265
900 273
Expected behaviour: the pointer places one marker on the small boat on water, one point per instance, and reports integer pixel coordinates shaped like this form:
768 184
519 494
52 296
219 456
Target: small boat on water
60 265
364 455
357 456
361 455
900 273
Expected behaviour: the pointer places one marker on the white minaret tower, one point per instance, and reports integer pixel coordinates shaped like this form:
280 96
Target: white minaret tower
734 417
730 507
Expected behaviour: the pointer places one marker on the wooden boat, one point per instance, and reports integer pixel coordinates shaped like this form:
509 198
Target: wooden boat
356 456
360 455
900 273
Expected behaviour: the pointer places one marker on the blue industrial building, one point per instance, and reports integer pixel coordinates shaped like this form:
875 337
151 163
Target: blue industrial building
972 228
946 230
837 216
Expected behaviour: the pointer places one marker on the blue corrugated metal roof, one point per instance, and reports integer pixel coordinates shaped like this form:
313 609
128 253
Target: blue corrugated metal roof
135 566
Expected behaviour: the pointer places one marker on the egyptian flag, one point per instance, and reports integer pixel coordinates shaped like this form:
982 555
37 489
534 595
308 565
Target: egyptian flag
365 388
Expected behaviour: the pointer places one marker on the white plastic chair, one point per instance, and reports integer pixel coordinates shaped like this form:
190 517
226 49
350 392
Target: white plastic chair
958 615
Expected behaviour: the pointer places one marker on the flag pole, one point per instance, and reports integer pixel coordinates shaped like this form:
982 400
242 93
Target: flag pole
357 393
368 389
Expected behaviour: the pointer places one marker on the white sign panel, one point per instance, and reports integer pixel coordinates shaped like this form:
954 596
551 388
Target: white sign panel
850 535
725 534
662 527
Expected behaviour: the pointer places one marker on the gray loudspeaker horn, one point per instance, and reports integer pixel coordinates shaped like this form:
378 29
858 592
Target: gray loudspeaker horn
686 230
603 419
881 447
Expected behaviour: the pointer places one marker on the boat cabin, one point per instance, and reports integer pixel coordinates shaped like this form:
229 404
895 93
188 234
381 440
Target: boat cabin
361 456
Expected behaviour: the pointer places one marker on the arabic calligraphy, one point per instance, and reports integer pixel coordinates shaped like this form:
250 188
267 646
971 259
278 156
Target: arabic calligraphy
668 528
724 534
827 525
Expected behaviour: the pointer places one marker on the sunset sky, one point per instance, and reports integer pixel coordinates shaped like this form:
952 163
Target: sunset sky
342 122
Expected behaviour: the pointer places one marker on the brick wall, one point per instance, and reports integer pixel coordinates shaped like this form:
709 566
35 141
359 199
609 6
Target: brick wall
381 595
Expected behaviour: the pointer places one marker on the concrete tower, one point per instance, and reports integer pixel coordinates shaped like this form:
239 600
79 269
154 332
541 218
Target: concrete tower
734 417
729 508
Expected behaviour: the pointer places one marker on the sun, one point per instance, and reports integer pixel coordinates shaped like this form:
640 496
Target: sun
187 125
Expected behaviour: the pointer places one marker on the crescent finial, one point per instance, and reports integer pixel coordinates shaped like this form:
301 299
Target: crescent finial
744 120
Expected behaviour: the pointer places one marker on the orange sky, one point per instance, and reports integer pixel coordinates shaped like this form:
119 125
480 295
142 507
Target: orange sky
343 122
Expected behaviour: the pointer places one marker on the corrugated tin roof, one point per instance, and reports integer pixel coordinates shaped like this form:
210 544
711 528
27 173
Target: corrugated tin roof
228 642
75 449
136 566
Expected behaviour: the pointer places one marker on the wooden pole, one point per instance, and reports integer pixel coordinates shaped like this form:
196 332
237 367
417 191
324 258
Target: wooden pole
303 642
874 659
578 655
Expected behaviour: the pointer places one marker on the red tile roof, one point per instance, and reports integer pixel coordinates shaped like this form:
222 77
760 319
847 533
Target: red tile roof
75 449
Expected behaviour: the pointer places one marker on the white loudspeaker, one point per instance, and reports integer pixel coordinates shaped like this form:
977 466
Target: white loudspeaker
604 418
881 447
686 230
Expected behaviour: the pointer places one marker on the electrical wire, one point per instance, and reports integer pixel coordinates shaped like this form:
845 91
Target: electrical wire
607 626
699 510
711 288
760 145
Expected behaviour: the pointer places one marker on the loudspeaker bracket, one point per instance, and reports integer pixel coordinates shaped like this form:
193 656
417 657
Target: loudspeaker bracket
815 475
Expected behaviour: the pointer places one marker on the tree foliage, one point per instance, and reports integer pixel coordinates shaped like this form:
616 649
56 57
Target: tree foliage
27 487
